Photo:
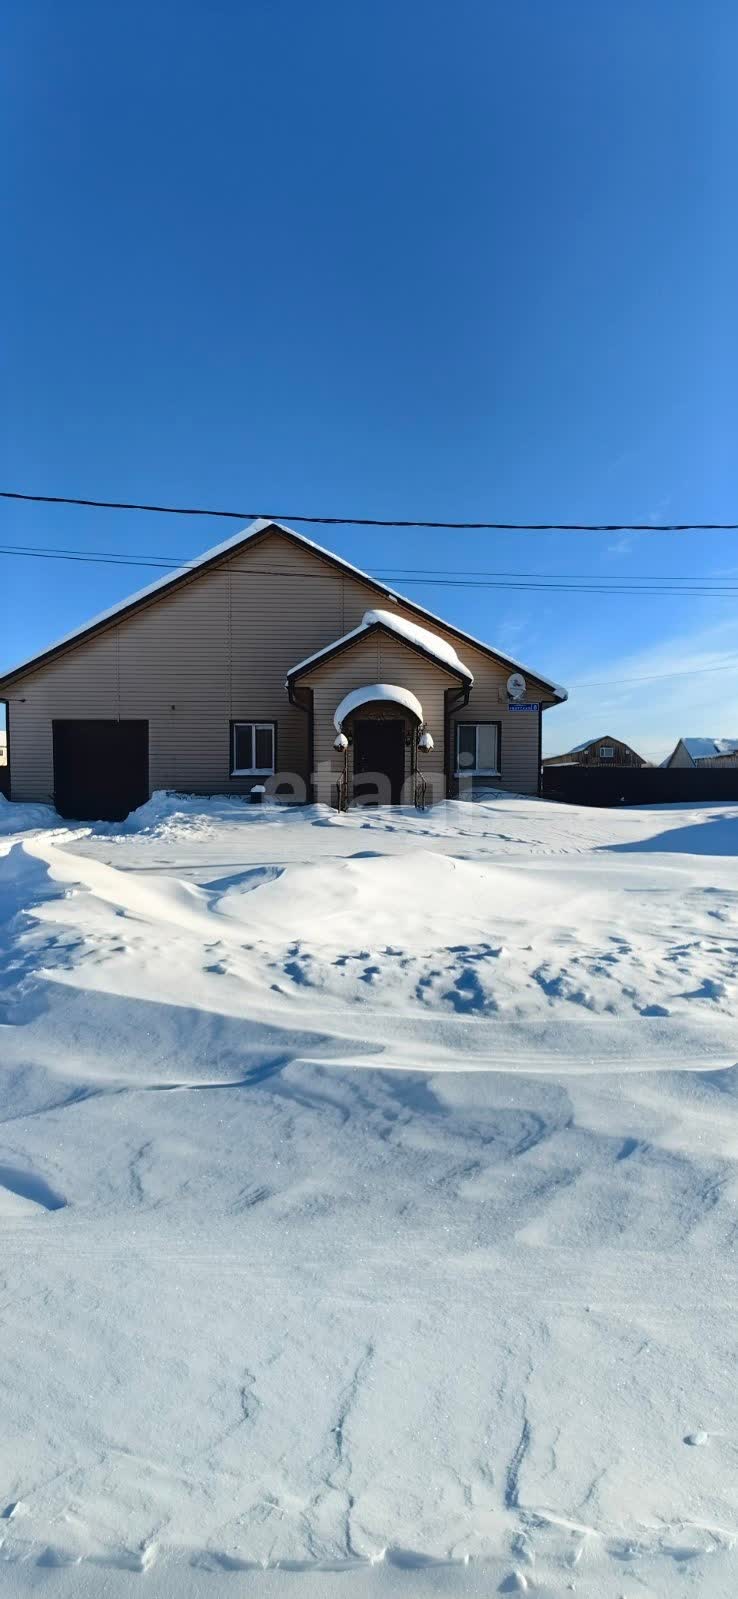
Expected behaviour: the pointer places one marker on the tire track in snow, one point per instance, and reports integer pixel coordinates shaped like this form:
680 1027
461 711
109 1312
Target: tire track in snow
337 1475
512 1475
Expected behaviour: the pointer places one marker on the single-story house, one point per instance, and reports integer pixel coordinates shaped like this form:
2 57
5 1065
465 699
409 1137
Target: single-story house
3 747
704 752
606 751
272 665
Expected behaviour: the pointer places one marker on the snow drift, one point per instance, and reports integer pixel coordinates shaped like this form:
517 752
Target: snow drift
368 1200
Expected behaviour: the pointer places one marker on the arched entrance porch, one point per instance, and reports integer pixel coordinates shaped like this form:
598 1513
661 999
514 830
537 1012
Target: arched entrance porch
378 726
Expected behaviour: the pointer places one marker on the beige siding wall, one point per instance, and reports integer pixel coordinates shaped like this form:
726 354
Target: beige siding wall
378 659
218 649
519 730
488 701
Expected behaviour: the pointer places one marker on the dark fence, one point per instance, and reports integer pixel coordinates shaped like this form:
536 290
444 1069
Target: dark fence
640 785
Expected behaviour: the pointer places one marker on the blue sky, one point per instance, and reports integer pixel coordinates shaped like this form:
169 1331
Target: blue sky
455 260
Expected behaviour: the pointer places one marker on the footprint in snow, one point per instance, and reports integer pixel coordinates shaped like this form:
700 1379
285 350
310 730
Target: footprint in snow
467 993
297 972
14 1509
477 952
343 960
52 1558
710 988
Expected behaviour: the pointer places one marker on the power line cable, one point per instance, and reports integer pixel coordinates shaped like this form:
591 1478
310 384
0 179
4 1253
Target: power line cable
524 583
452 574
375 521
652 677
609 682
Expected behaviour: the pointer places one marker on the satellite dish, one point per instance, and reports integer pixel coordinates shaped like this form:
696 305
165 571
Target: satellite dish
516 685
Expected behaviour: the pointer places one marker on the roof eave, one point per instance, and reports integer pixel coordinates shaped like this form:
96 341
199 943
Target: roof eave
348 640
219 552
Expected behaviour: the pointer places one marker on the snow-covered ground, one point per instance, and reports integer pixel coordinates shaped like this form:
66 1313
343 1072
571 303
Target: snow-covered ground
369 1201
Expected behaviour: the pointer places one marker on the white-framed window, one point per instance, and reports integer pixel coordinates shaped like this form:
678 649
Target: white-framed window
253 748
477 749
606 752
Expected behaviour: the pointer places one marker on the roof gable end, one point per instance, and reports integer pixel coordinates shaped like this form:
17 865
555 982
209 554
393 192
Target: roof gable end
358 635
218 555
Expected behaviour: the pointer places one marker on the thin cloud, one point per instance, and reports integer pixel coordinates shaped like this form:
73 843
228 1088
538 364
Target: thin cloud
655 708
626 542
623 545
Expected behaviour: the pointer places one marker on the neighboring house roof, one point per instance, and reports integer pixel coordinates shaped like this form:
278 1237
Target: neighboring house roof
588 743
420 638
607 738
212 557
705 749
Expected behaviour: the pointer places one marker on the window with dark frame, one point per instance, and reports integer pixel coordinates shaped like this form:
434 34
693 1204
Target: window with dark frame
252 749
606 752
477 749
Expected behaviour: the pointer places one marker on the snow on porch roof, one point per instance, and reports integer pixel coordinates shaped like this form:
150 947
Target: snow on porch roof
411 632
372 692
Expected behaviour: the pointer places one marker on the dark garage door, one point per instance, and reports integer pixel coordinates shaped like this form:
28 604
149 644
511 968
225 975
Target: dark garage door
101 769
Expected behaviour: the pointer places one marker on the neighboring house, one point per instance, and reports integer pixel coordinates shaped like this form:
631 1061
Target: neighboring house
3 747
704 752
269 663
605 751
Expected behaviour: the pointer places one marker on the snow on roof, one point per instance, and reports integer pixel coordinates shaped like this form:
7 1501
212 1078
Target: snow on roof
432 642
376 691
174 576
606 738
444 653
705 749
259 525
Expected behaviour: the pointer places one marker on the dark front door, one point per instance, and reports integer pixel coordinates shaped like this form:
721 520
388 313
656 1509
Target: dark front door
101 769
379 752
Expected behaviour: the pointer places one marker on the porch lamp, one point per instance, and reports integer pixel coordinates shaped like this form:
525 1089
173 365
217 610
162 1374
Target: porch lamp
341 742
425 742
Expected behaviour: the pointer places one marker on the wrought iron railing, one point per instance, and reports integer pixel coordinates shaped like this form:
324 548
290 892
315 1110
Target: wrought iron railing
421 790
342 792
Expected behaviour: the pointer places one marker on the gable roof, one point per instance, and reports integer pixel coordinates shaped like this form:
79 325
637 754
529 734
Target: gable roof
419 638
606 738
219 552
705 749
